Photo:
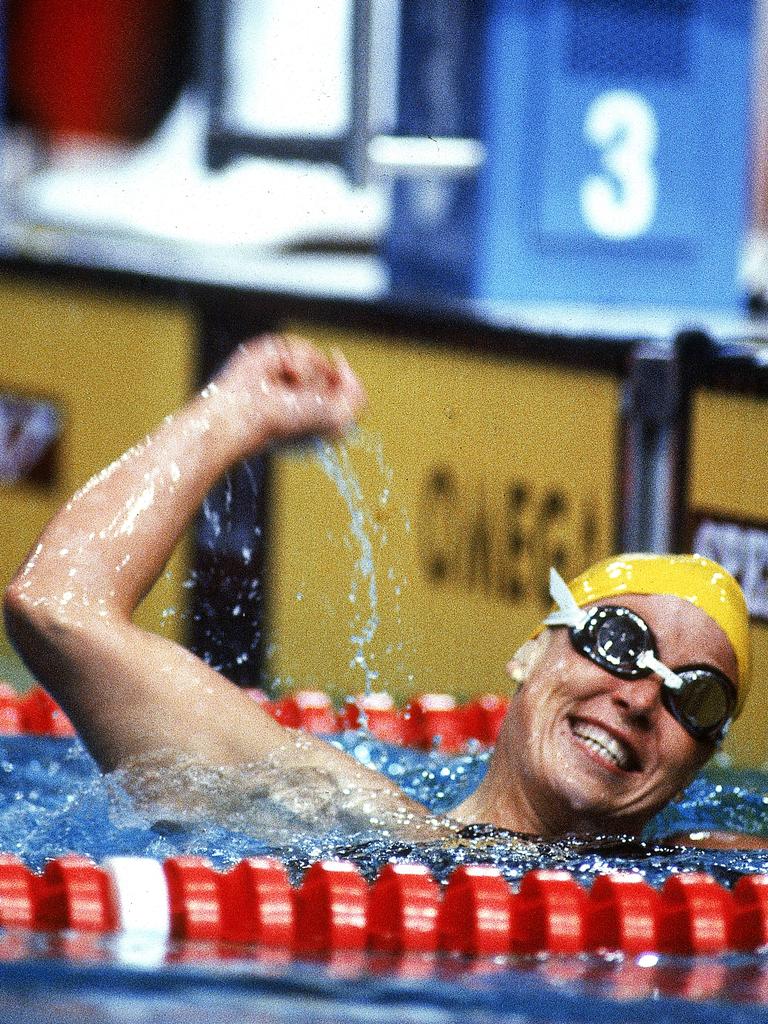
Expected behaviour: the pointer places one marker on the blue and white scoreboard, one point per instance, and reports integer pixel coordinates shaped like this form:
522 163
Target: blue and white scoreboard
613 143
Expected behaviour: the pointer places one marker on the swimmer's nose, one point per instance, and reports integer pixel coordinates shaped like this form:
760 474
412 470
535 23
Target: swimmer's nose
638 699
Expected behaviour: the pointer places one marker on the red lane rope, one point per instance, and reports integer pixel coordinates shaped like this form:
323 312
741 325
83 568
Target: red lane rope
34 714
429 720
334 910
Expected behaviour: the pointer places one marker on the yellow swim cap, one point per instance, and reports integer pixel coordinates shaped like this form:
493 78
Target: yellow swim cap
691 577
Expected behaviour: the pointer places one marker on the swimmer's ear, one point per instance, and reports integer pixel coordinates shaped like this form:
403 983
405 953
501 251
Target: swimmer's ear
516 672
523 660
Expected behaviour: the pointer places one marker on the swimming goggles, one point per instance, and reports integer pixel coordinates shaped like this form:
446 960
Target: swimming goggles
701 698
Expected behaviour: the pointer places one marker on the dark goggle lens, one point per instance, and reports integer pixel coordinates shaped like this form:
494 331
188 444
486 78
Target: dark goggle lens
704 704
615 638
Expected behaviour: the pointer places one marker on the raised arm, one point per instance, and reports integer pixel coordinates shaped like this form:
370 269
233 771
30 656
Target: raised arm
68 610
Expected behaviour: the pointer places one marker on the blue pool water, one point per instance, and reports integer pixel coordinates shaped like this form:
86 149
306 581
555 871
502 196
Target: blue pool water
53 800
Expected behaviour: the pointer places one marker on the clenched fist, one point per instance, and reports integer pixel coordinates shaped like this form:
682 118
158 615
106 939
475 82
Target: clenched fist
279 388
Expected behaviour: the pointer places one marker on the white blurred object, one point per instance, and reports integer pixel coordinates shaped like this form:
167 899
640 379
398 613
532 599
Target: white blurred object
163 190
288 66
753 272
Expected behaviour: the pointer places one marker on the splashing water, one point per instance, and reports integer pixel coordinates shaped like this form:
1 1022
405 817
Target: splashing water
54 800
335 461
212 517
229 536
368 529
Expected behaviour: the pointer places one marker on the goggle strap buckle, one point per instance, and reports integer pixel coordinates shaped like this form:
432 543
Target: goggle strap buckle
569 613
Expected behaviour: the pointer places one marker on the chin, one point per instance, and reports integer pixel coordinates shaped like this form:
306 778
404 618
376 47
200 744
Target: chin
587 811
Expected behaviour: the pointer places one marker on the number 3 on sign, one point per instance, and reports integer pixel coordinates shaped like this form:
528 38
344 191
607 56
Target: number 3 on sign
621 202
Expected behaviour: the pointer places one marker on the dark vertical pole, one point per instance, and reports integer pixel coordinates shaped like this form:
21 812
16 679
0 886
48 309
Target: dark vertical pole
657 409
211 73
651 408
695 355
228 593
359 99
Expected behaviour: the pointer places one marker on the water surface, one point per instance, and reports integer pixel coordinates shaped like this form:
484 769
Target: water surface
54 800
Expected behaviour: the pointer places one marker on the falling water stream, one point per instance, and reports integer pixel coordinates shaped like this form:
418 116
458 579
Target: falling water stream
335 461
225 526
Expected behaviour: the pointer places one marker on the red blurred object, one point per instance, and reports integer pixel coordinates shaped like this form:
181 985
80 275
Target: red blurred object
194 897
403 910
550 914
750 912
310 710
696 915
74 893
88 68
434 715
42 716
483 717
18 894
622 914
257 903
476 914
382 719
285 711
693 981
331 909
11 723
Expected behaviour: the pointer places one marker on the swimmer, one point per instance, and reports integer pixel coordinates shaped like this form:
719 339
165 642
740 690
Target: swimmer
624 693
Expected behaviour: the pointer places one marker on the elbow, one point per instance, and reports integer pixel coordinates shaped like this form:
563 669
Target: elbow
16 612
38 638
23 617
34 623
49 638
56 638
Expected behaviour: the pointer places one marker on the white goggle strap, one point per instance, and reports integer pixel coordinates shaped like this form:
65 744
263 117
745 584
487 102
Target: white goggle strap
672 679
569 613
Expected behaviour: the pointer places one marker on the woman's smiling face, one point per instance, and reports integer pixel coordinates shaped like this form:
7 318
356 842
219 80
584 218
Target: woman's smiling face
596 752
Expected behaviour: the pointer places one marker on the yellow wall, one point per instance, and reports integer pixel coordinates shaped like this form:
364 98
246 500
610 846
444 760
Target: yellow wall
492 470
114 367
728 477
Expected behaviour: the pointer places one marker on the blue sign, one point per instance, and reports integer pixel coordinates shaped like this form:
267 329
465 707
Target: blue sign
615 137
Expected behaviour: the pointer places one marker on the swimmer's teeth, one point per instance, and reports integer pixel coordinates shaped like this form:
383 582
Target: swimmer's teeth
598 749
602 743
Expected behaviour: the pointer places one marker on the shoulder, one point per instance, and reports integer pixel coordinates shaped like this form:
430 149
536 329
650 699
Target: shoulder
718 840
